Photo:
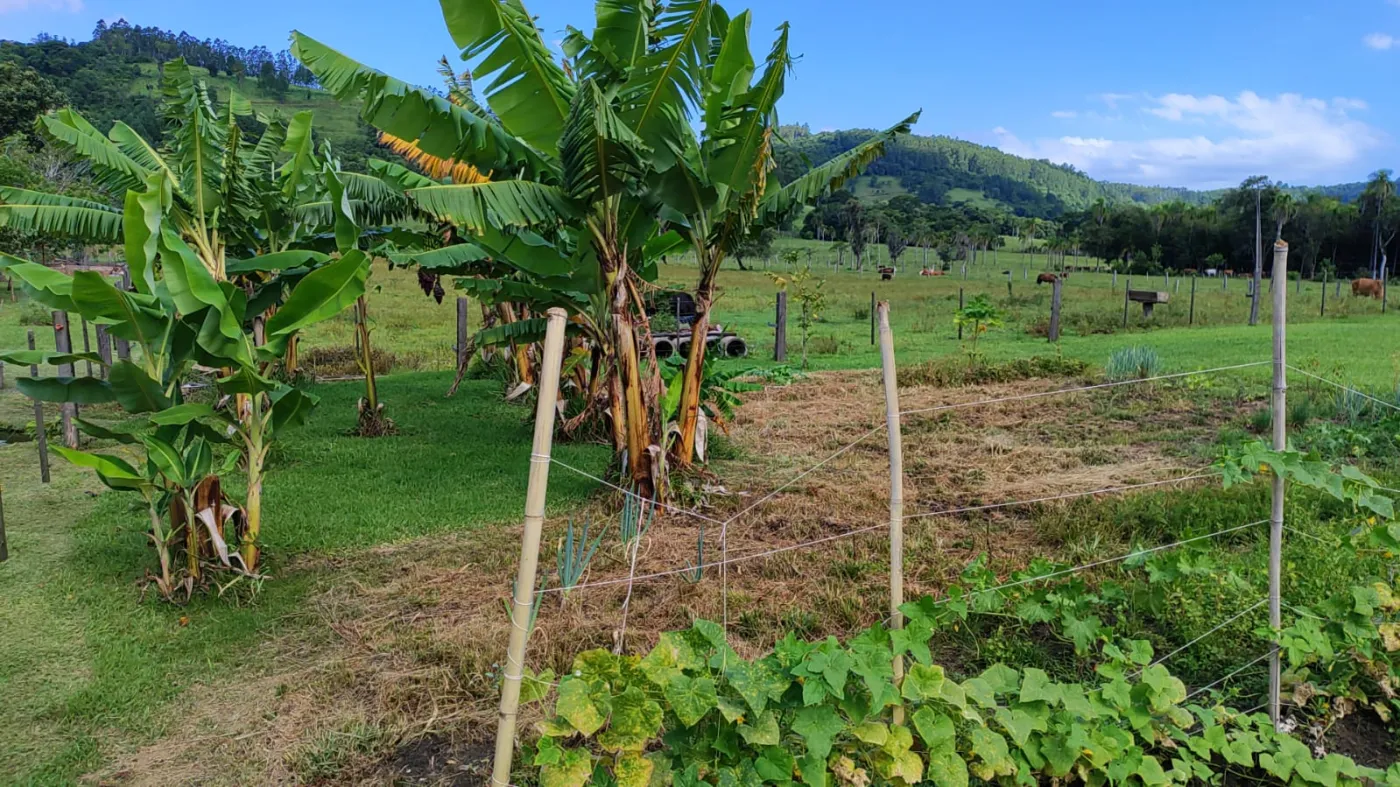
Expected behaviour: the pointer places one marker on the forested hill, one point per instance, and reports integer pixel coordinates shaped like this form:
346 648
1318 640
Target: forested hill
944 171
116 76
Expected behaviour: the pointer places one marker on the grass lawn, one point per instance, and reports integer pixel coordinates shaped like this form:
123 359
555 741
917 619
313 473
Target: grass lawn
88 667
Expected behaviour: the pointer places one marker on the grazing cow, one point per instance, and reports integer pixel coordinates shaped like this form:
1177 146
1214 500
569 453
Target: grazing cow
1190 272
930 272
1367 287
1229 274
1046 278
886 274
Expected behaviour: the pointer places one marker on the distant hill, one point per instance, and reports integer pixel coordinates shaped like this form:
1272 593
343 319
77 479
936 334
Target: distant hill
116 76
944 171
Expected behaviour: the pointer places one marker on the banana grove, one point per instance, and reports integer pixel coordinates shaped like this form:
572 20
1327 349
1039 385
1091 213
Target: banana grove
569 181
210 192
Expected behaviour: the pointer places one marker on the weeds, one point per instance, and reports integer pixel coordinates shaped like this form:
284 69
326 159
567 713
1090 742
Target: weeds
950 372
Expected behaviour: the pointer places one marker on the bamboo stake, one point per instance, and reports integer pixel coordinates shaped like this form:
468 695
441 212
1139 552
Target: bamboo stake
896 486
524 597
4 547
1280 418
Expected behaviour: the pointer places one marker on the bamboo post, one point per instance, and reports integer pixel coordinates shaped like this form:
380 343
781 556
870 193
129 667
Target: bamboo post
87 345
872 318
1280 419
63 343
896 442
524 597
1192 319
462 328
104 348
1055 310
780 329
41 435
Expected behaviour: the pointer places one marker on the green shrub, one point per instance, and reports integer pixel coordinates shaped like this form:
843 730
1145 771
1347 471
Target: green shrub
950 371
33 313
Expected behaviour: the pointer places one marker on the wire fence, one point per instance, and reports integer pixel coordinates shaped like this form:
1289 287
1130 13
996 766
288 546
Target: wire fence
725 523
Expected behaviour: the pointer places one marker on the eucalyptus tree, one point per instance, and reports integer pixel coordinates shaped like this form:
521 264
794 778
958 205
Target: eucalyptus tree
657 123
207 193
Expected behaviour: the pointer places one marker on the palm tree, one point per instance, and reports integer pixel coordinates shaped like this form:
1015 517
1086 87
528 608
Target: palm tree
1376 198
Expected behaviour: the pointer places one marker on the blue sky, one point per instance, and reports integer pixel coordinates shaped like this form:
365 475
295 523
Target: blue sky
1197 93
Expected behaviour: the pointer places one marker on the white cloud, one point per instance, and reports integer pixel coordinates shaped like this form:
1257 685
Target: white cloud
1114 99
1290 136
1381 41
15 6
1064 114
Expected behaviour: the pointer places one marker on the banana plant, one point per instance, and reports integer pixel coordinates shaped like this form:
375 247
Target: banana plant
206 194
597 162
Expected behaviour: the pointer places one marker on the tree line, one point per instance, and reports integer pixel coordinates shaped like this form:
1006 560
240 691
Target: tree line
1346 238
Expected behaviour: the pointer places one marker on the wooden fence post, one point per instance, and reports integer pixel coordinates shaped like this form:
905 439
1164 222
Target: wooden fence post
4 546
1280 424
896 443
63 343
41 435
960 308
104 348
87 345
523 599
1128 288
1192 320
1337 293
462 331
1114 288
1384 288
1055 310
1323 311
780 329
1008 284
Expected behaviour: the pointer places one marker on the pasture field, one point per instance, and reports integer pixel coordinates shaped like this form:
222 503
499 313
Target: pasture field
373 653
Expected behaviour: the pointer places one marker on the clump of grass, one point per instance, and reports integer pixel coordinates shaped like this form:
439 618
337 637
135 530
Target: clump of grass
950 371
827 345
342 361
334 752
1133 363
33 313
861 313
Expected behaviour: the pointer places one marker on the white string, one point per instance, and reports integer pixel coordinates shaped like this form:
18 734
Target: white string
1343 387
1248 610
1066 496
1098 563
1306 534
1061 391
634 495
1237 671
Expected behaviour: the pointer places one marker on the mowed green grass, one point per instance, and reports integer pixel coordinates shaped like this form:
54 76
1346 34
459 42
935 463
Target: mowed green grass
89 667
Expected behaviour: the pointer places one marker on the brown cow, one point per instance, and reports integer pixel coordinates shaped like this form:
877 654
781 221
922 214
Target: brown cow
1046 278
1229 274
1367 287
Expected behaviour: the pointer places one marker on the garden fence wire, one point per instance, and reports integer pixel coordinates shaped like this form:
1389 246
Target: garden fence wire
884 525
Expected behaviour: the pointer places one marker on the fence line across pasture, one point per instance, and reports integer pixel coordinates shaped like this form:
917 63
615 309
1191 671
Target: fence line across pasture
1096 387
1256 605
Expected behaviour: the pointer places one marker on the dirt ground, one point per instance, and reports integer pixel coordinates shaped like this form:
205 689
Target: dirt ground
403 688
